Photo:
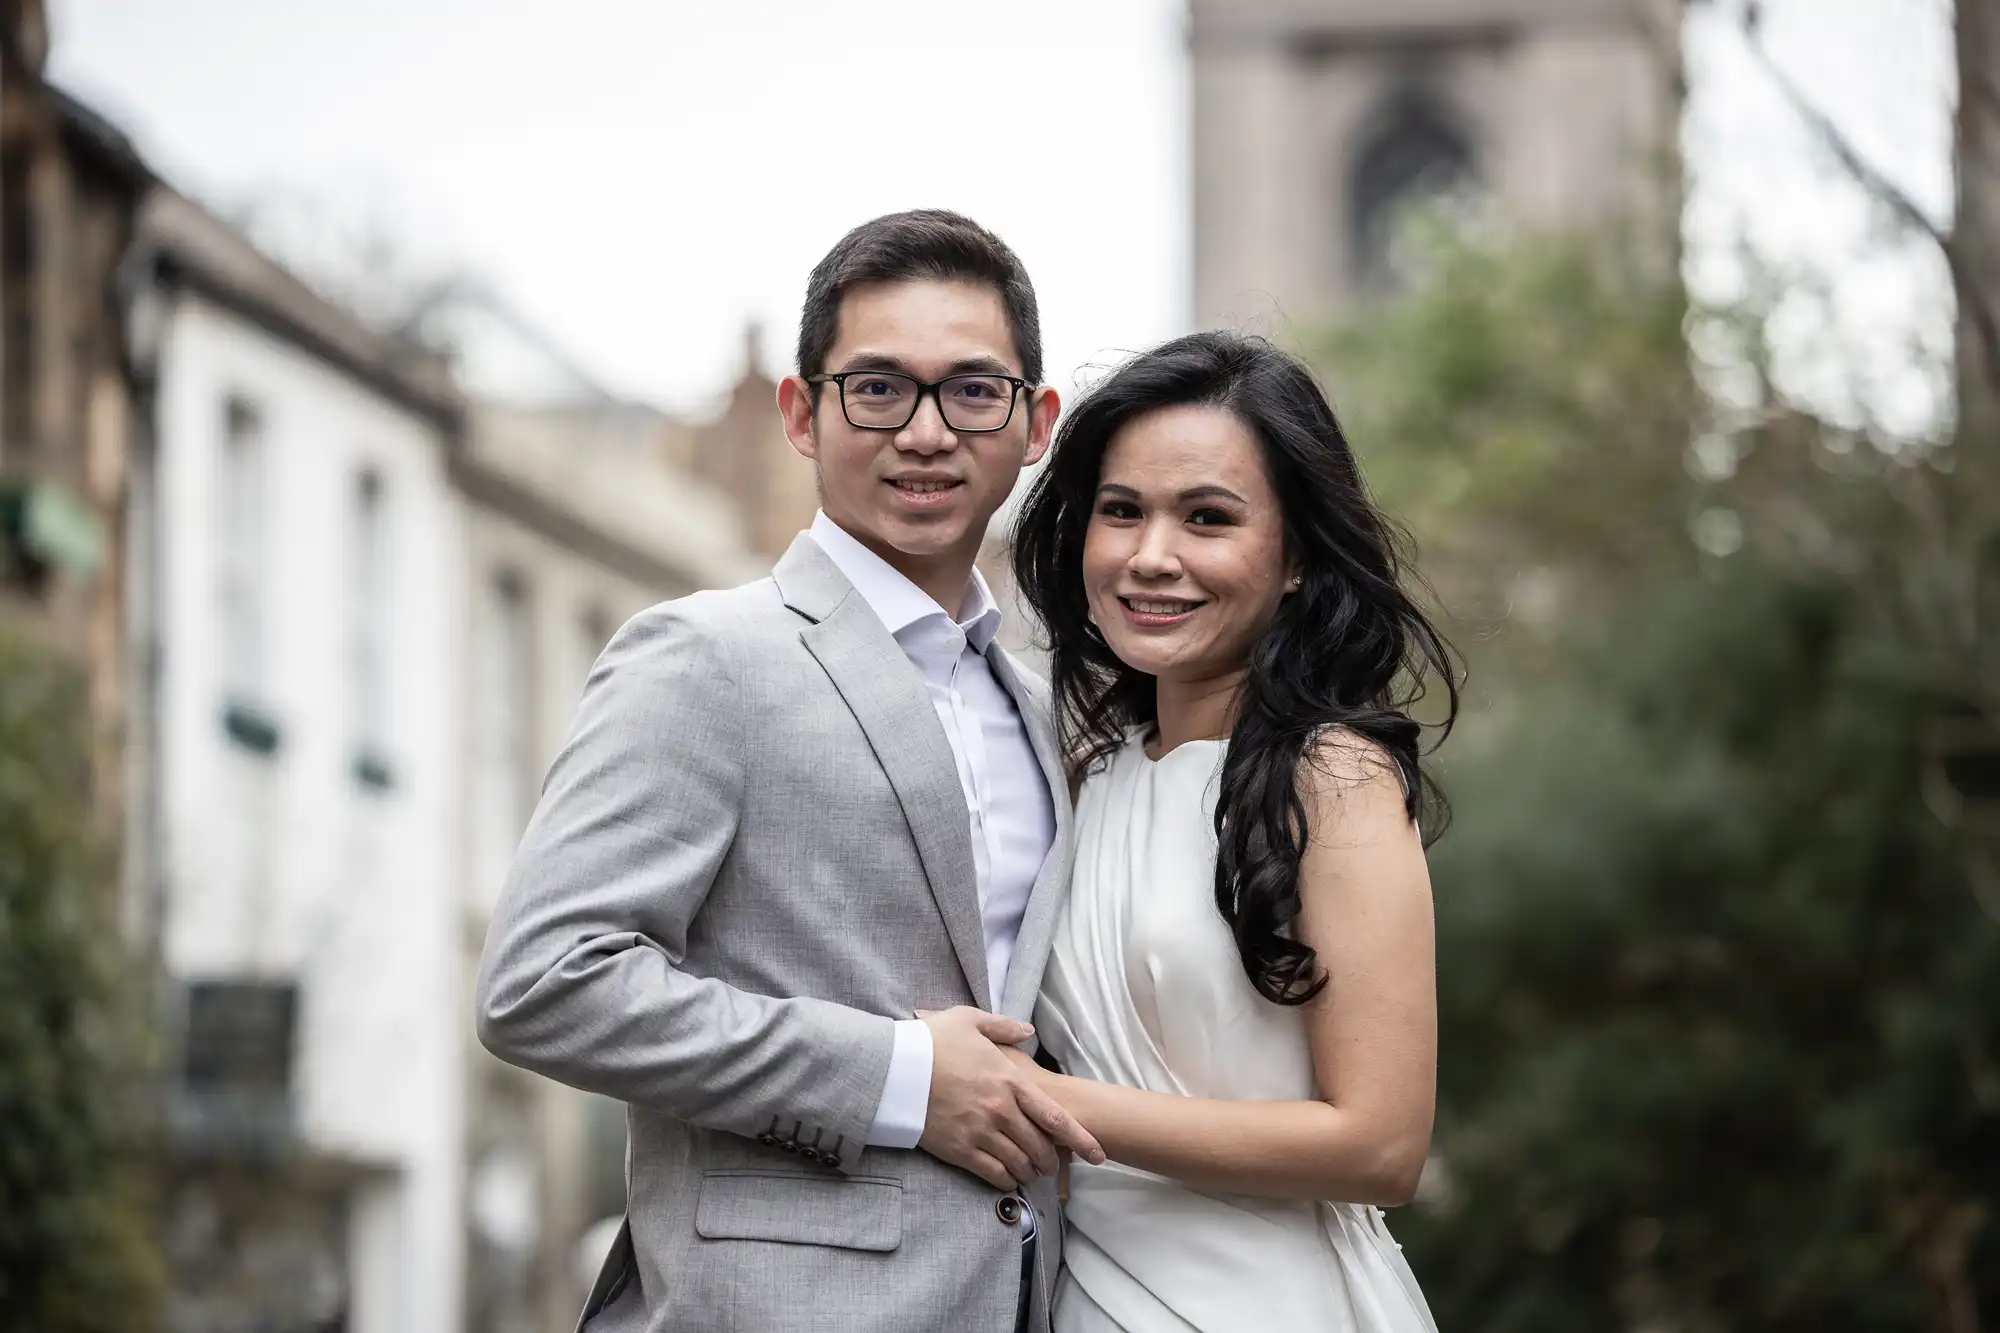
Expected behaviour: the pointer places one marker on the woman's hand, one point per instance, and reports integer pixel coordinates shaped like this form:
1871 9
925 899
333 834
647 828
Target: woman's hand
1025 1063
1043 1079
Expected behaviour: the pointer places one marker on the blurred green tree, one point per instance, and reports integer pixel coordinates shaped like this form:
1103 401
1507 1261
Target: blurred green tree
77 1234
1720 988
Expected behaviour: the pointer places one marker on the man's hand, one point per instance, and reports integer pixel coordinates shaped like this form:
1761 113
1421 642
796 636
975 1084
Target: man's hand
985 1114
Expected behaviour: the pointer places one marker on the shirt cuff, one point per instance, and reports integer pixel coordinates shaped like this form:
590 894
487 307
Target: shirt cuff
906 1093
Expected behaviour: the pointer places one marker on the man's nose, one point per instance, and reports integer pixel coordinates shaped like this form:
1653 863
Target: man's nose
927 432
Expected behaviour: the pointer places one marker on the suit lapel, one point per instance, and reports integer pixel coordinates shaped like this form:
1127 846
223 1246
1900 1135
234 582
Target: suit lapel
1045 900
887 697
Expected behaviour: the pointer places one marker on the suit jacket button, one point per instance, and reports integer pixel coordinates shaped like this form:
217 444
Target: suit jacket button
768 1139
1008 1210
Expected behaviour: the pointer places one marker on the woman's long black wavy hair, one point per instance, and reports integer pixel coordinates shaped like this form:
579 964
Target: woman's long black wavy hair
1350 648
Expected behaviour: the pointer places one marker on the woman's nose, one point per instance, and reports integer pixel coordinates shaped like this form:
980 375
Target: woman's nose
1157 554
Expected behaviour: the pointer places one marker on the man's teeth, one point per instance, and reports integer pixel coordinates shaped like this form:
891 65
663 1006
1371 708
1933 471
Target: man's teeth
1160 608
925 487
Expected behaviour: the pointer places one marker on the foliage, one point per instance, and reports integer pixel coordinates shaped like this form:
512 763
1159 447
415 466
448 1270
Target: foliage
1529 401
76 1233
1722 1009
1720 995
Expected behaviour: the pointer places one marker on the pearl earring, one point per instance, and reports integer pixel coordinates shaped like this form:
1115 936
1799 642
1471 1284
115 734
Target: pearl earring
1298 580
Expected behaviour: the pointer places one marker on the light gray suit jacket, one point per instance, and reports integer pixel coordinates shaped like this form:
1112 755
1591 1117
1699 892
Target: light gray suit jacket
751 856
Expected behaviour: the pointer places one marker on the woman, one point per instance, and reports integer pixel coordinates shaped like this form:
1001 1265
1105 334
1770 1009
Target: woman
1242 987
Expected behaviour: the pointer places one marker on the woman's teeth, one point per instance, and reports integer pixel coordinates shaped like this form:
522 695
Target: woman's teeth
1157 608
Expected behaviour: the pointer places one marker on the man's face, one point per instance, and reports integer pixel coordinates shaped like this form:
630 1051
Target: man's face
923 492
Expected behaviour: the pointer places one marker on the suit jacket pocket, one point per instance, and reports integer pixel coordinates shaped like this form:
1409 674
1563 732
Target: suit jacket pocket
849 1213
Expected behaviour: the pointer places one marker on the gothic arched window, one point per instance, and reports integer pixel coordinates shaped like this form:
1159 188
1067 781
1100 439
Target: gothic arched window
1414 154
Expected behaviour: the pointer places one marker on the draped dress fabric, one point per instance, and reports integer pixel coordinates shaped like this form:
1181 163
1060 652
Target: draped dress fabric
1145 989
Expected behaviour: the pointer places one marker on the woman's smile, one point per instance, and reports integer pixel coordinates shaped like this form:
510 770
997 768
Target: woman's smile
1158 612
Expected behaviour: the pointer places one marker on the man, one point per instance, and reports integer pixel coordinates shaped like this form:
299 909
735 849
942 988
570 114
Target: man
793 815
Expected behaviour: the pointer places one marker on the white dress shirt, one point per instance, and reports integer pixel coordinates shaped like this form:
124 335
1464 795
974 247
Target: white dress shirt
1007 799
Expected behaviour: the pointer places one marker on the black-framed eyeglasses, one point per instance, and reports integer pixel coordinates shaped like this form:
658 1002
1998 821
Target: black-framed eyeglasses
886 400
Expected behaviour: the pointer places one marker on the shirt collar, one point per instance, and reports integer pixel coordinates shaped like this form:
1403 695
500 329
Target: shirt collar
897 602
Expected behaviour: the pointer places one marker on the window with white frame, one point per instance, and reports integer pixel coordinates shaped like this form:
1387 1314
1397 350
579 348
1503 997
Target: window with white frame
511 657
368 628
594 630
243 506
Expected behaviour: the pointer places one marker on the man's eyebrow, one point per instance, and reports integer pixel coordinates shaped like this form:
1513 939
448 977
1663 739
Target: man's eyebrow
874 361
971 365
980 365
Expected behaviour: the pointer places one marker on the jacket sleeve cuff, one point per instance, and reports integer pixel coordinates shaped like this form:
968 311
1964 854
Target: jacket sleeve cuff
906 1093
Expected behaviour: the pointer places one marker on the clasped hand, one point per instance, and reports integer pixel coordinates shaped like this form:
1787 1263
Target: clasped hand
985 1114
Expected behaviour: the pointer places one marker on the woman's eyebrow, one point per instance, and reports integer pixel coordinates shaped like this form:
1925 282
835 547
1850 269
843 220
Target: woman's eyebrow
1210 491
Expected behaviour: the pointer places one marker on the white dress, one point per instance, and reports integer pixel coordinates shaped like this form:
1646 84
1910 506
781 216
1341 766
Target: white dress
1145 989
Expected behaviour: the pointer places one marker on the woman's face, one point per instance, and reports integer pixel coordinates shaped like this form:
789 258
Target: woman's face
1184 559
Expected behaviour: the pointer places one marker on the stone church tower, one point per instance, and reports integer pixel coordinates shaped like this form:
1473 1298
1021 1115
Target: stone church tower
1316 122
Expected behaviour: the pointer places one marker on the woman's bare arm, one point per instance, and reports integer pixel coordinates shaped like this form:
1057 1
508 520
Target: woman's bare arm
1366 910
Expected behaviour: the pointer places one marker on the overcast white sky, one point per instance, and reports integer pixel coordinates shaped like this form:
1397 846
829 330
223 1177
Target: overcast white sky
642 176
1875 350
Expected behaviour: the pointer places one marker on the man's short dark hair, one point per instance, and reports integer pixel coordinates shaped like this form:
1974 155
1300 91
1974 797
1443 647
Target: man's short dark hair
924 243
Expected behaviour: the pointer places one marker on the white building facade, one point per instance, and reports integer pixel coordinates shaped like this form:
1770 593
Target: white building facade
303 589
362 610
